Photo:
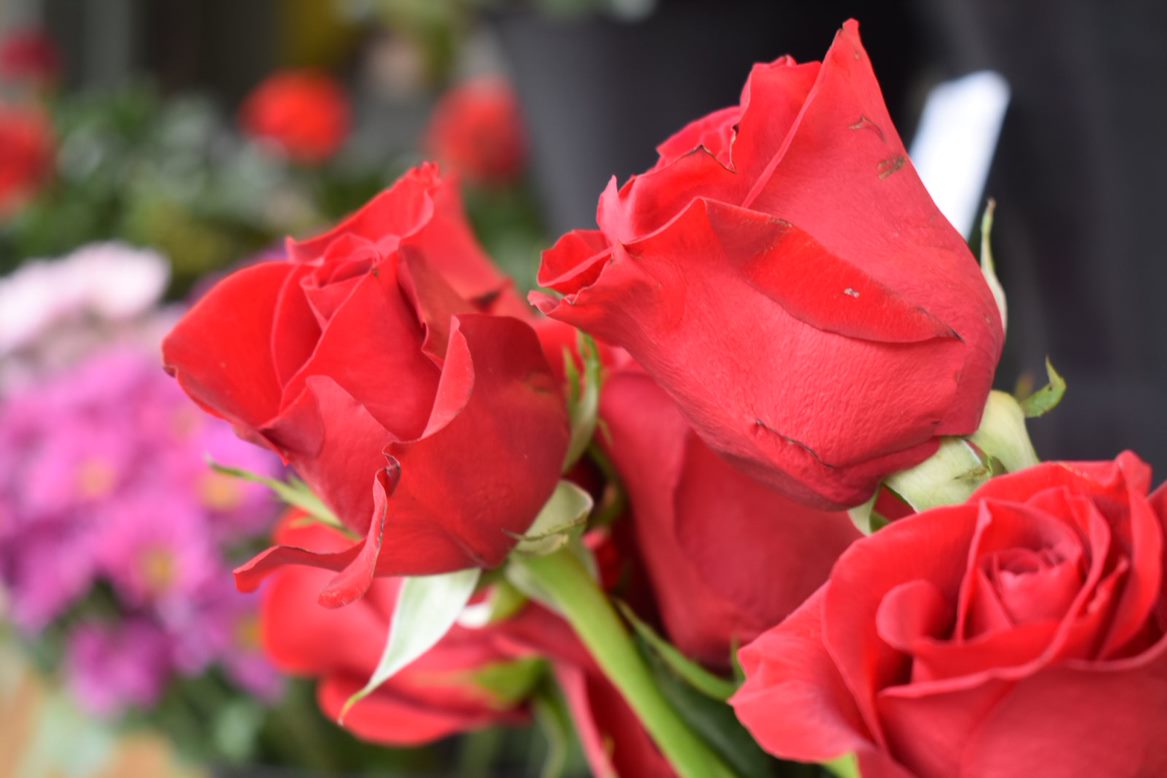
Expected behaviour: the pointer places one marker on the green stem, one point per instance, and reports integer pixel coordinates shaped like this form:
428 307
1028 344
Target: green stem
563 577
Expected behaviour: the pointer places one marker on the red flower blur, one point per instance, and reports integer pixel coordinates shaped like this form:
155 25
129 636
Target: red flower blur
476 131
303 113
26 153
29 56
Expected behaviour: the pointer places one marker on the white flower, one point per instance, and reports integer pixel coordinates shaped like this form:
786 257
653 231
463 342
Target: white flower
104 281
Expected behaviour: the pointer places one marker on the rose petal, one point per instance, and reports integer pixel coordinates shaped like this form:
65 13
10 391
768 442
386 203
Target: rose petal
370 348
794 701
220 350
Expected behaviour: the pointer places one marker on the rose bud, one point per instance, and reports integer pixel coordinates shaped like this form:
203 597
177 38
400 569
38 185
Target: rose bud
477 132
373 362
784 276
727 557
302 113
444 692
1020 633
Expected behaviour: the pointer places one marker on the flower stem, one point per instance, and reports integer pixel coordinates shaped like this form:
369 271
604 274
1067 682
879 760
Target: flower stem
585 606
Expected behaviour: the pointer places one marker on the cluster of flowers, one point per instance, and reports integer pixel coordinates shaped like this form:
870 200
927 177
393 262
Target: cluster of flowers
786 322
114 534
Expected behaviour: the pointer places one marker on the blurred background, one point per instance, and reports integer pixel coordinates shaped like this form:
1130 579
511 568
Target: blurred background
146 146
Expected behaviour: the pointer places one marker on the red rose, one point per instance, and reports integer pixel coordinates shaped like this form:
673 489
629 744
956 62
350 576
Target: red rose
728 557
377 340
26 153
783 274
29 55
476 130
1021 633
304 113
435 696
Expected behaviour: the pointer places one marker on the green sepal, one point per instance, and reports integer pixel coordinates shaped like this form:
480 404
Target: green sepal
988 267
561 518
948 477
1046 398
293 491
1002 436
583 397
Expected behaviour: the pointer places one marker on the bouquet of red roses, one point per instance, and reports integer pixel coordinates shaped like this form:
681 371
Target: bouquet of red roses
743 484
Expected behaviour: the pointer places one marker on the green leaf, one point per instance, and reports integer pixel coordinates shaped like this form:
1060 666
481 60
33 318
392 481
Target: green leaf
563 514
1046 398
988 267
509 683
713 720
697 676
583 406
947 477
427 607
846 766
294 492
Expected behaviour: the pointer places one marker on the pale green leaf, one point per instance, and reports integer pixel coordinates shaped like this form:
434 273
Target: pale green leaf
427 607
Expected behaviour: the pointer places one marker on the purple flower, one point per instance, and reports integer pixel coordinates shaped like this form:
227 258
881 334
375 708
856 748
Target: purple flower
50 567
225 630
110 668
156 551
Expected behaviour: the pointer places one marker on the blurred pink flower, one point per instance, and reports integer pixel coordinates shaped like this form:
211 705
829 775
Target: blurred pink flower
155 550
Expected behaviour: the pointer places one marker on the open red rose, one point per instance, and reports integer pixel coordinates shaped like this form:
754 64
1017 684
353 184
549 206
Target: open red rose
784 275
26 153
303 113
378 340
1021 633
443 692
477 132
728 557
